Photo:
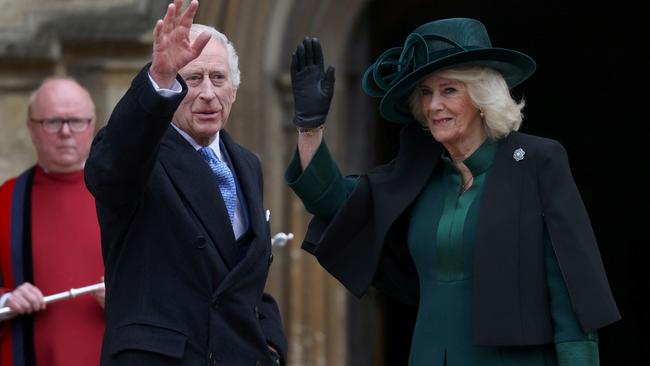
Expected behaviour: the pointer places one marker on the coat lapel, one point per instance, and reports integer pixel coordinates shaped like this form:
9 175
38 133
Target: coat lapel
503 192
246 172
497 252
195 183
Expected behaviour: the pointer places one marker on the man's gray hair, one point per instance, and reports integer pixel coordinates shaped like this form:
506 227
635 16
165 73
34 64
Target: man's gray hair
233 59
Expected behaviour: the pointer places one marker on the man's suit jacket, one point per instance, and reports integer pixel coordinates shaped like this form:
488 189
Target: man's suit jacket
176 291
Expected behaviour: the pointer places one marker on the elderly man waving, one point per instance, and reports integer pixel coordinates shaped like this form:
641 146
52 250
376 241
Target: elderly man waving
184 236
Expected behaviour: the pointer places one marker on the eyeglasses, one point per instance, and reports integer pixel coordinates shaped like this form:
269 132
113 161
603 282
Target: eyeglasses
54 125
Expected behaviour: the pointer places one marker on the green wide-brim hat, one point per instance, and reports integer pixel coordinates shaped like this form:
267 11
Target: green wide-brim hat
434 46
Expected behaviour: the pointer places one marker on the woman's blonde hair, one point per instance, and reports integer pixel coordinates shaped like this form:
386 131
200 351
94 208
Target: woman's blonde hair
489 92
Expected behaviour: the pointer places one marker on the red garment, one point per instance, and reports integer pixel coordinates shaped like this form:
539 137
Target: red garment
6 275
66 253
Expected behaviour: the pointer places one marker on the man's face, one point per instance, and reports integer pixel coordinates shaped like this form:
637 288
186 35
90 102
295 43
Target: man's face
210 95
63 151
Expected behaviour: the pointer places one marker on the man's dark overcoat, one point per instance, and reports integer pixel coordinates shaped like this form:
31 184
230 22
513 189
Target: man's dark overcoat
177 292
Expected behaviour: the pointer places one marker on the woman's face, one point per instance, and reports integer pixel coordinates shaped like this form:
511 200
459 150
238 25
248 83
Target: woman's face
448 110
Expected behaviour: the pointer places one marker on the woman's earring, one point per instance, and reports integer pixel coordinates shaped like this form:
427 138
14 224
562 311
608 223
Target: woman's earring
481 113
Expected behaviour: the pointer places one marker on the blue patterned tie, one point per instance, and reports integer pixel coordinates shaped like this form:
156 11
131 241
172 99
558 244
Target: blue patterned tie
224 178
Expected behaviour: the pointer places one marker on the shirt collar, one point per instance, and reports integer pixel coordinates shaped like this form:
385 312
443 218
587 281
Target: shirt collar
480 161
214 145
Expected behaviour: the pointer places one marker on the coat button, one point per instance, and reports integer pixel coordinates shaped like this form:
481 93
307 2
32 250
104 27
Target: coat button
215 301
200 242
258 363
270 259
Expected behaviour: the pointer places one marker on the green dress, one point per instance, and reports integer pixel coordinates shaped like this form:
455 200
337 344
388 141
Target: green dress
441 236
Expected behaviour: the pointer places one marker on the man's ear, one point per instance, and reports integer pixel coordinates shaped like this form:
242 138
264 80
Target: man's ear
30 127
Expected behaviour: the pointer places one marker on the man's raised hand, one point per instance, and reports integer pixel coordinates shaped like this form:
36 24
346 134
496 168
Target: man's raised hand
172 48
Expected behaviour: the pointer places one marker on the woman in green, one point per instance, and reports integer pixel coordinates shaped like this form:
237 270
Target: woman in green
481 226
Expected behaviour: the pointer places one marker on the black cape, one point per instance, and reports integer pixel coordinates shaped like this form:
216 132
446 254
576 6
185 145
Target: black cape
365 243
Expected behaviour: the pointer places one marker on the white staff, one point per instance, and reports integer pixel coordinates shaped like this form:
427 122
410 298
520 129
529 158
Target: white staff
280 239
73 292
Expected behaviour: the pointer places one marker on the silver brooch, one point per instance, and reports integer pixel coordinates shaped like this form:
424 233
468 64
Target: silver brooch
518 155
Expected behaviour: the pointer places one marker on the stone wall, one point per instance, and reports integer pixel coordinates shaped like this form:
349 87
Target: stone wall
104 43
93 41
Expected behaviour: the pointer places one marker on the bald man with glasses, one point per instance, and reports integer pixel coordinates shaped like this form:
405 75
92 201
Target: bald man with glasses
49 238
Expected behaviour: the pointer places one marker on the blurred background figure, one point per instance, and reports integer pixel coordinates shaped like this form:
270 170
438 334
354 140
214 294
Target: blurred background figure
49 237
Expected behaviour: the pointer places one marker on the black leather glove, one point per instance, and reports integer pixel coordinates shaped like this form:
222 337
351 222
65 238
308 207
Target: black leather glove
312 86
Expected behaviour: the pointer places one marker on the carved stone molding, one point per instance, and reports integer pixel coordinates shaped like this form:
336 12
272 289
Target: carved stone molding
42 32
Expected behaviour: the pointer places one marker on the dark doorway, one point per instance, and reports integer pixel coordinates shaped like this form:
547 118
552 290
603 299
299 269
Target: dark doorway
586 93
